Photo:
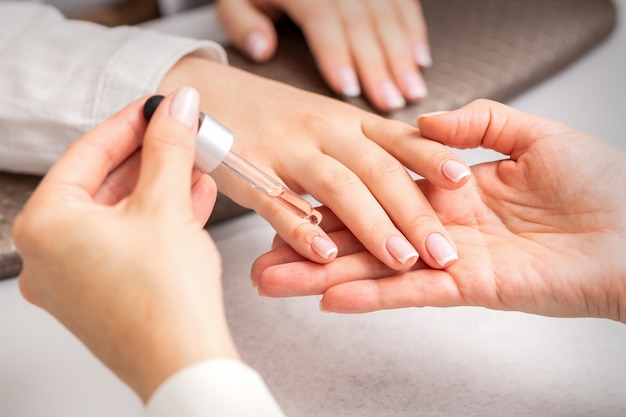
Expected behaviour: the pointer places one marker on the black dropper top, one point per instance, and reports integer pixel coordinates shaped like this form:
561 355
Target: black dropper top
151 105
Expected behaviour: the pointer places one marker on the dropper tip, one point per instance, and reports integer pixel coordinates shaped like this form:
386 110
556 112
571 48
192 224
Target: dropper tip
315 217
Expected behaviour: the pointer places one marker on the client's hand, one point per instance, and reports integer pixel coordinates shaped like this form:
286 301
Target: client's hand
380 43
543 232
132 274
333 151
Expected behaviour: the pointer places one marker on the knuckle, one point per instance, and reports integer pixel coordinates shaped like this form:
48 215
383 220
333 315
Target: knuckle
379 227
386 169
338 181
419 220
357 20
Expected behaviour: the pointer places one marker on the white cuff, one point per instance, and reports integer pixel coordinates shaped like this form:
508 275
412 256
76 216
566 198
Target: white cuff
217 387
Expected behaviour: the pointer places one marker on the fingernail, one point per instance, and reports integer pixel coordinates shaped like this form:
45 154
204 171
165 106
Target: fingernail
401 249
322 307
349 82
256 44
392 95
440 249
454 170
323 247
431 114
422 55
184 107
416 89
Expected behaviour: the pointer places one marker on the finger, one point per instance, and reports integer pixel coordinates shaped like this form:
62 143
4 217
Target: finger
391 205
412 15
430 159
284 257
250 30
120 183
369 56
418 288
88 161
397 49
340 188
327 41
303 234
167 156
308 239
487 124
203 196
308 278
331 223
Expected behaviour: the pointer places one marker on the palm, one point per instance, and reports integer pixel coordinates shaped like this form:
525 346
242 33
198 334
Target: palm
528 232
531 236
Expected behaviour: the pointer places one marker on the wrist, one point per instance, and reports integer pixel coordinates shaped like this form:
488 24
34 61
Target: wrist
156 352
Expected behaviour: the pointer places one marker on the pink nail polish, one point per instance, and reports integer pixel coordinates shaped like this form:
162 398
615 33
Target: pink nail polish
392 95
422 55
323 247
415 87
440 249
184 106
433 113
454 170
401 249
256 44
349 82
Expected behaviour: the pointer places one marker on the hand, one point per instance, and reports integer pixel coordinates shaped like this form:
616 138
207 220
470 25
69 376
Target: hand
116 251
383 41
333 151
543 232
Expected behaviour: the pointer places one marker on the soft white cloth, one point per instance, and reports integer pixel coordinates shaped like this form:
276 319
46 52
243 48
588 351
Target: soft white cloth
59 78
215 388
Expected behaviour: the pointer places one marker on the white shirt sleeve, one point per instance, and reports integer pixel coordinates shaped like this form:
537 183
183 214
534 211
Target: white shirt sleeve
214 388
59 78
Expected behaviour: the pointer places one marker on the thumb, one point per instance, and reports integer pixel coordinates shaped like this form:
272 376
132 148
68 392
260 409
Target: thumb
250 30
487 124
167 155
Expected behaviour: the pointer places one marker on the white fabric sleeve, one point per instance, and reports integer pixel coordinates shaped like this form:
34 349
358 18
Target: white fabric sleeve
59 78
214 388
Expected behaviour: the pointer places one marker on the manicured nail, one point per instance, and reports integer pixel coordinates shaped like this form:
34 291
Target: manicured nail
323 247
322 308
422 55
440 249
454 170
256 44
416 89
184 107
392 95
349 82
401 249
431 114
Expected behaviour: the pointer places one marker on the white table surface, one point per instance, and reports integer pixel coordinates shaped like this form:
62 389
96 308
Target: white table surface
426 362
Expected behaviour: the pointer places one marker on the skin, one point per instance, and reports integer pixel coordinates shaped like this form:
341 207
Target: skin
381 43
170 312
322 147
541 232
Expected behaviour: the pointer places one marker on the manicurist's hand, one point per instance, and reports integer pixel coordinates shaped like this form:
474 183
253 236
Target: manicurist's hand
372 45
542 232
336 153
113 245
